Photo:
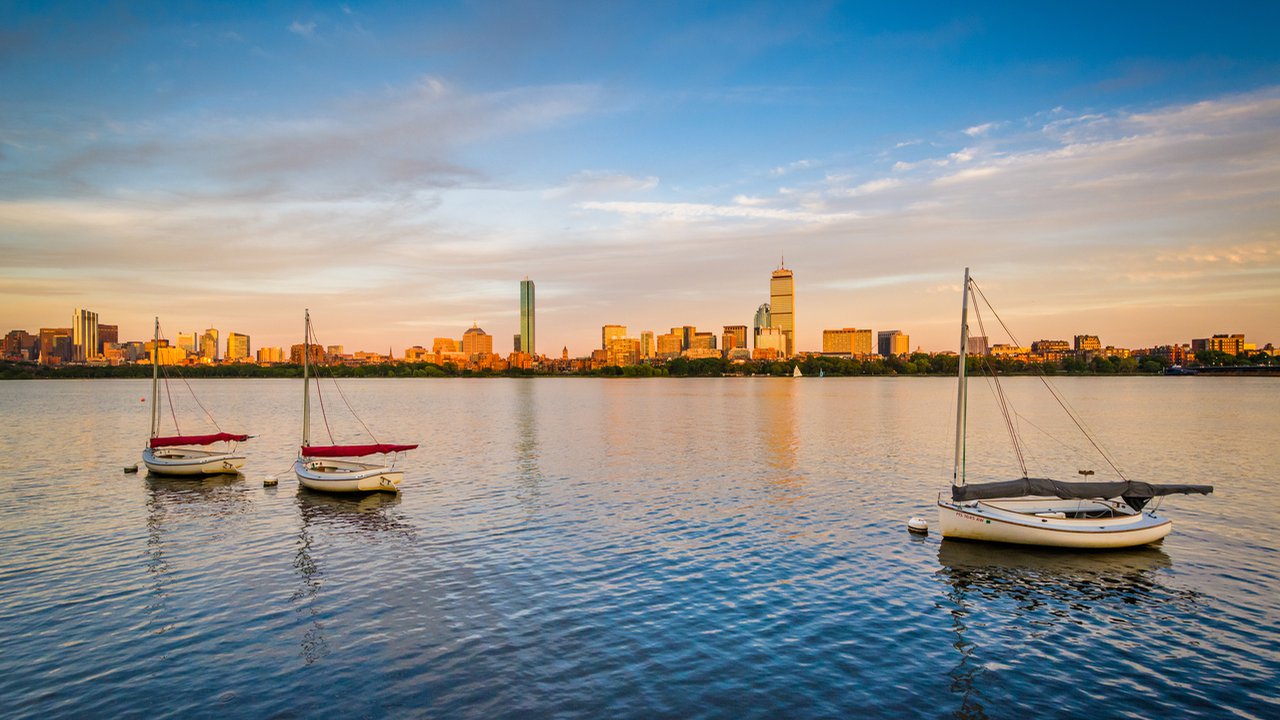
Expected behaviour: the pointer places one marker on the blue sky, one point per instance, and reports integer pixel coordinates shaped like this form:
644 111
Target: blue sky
399 169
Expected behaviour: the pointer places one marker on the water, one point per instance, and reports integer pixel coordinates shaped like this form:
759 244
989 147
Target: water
669 547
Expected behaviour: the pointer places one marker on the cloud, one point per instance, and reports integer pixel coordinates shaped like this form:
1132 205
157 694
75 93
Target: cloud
297 27
591 183
792 167
691 212
980 130
870 187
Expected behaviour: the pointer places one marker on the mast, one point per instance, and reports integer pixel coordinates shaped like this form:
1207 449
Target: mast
155 382
306 381
957 474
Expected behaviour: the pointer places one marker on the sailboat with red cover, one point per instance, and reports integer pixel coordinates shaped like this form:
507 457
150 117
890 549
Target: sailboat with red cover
326 467
174 454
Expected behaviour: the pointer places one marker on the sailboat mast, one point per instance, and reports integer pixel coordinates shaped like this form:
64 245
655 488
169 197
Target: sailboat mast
957 474
155 382
306 380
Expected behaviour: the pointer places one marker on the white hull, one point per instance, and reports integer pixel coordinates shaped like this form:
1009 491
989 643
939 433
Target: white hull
329 475
1095 524
188 461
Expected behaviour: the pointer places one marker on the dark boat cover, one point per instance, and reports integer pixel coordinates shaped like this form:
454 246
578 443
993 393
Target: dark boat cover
1135 494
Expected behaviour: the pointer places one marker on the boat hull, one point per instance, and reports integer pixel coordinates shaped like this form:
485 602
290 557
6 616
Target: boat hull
189 461
346 476
1037 522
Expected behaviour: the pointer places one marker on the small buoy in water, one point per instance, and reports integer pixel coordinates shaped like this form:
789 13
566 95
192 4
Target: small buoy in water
918 525
270 481
131 468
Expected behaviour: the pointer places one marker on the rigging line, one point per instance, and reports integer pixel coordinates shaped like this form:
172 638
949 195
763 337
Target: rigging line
172 413
306 348
1048 434
1001 400
198 403
1053 391
333 378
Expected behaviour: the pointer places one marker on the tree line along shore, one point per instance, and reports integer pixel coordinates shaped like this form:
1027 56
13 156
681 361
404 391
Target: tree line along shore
916 364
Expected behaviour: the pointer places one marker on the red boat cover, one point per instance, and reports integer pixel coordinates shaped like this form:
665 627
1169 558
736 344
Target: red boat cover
159 442
352 450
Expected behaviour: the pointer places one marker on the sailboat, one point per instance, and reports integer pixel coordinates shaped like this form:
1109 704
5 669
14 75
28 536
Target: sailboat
172 454
1043 511
796 372
322 467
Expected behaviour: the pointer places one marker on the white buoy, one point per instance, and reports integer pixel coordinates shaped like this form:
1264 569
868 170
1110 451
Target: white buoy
270 481
918 525
131 468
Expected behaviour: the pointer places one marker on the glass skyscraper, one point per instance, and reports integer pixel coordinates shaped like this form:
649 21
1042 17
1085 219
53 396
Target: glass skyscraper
527 344
782 306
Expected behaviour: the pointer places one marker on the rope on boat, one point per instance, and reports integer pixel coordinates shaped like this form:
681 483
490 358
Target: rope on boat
341 394
1066 407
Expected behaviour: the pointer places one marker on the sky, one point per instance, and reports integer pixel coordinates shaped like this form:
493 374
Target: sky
398 168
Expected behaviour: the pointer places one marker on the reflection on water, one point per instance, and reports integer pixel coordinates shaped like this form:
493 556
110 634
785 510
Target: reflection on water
776 425
362 515
528 451
1040 593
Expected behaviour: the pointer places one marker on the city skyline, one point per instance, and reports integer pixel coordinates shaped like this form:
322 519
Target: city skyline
203 165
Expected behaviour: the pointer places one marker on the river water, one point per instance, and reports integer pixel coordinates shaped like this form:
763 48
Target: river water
663 547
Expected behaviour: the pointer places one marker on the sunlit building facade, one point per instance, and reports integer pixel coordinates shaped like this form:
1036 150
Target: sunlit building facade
209 345
84 335
782 307
476 342
891 343
846 341
611 332
237 347
763 319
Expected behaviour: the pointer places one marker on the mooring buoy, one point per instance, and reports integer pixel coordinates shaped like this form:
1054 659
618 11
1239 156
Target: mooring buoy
270 481
131 468
918 525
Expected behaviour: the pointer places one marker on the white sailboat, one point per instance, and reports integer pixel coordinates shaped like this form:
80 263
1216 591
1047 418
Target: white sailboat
324 467
796 372
1042 511
173 454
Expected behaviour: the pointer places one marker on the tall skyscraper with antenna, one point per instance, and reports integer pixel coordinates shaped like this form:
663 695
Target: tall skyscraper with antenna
782 305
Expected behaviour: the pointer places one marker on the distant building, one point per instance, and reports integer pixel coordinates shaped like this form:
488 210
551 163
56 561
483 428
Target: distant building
476 342
84 335
238 347
444 345
702 341
209 345
1230 344
891 343
622 351
515 346
527 344
735 337
978 345
55 346
611 332
267 356
107 334
669 345
21 345
772 341
187 341
846 341
648 346
1085 343
763 319
315 354
782 306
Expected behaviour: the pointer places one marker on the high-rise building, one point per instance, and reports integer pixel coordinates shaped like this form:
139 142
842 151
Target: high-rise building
978 345
702 341
764 319
668 345
782 306
209 344
846 341
611 332
623 351
476 341
187 341
444 345
55 345
107 334
237 347
738 336
21 345
893 342
527 343
315 354
84 335
647 345
270 355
